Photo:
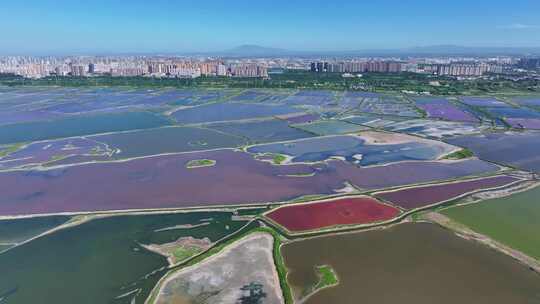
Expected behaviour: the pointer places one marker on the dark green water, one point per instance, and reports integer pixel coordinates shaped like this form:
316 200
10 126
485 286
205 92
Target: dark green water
16 231
4 247
252 211
410 263
100 260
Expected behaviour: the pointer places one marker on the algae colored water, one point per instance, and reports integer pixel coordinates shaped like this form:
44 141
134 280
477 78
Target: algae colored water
513 220
409 263
101 261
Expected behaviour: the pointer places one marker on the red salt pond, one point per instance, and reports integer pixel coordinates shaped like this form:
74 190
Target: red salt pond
347 211
428 195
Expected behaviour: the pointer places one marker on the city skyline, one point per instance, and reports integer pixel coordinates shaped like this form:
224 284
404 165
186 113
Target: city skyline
71 27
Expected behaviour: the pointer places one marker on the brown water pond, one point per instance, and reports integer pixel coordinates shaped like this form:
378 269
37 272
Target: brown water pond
409 263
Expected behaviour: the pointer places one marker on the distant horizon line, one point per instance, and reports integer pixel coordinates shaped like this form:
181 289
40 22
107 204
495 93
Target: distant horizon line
253 50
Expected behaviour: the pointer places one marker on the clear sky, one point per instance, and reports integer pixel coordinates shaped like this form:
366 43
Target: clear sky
68 26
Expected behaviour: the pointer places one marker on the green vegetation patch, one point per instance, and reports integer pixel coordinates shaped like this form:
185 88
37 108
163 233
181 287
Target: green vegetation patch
7 150
182 253
198 143
327 277
198 163
461 154
280 266
294 79
278 159
511 220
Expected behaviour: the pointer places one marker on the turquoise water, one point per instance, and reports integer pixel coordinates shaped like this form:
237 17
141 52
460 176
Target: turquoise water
168 140
80 125
322 148
331 127
263 131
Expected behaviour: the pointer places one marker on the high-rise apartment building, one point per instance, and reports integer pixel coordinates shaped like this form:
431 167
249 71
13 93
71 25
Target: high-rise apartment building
77 70
356 67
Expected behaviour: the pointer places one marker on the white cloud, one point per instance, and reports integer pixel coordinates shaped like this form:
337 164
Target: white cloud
518 26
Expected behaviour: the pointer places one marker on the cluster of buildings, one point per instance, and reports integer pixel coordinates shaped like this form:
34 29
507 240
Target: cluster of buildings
192 67
392 66
129 66
187 68
356 67
529 63
460 69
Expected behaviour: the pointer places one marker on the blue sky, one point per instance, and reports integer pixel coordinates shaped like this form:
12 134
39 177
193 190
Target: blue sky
61 26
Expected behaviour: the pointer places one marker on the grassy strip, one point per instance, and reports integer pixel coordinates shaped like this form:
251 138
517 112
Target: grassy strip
417 217
280 266
10 149
461 154
197 163
293 79
182 253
